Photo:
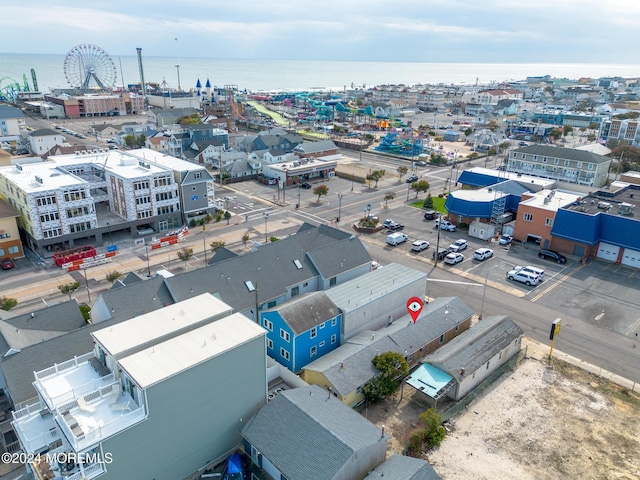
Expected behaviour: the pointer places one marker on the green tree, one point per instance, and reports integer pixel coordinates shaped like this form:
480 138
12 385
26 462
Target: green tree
227 216
402 171
190 120
130 141
593 126
432 422
7 303
85 309
556 133
375 176
387 197
391 366
428 202
567 130
69 288
184 254
217 245
245 239
113 276
273 239
141 140
420 186
493 125
468 131
321 190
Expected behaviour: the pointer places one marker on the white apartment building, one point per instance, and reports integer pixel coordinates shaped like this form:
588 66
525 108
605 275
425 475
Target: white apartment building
57 200
160 396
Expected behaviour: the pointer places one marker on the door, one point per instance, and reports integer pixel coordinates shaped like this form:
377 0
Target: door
163 225
631 258
607 251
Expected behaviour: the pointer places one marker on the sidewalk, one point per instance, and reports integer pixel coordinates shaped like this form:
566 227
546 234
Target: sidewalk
540 351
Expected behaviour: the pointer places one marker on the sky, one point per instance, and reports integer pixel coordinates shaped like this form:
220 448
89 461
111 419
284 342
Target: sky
462 31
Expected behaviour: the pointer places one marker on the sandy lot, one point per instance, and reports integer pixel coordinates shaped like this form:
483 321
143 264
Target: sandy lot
537 422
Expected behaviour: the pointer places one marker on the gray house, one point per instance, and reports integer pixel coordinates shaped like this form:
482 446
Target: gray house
399 467
306 434
151 395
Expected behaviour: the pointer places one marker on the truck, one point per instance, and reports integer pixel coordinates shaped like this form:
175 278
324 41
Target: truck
396 238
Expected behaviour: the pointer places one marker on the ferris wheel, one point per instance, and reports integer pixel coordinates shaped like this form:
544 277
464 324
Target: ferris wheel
88 67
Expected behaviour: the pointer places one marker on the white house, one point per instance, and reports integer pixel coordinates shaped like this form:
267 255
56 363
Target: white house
43 140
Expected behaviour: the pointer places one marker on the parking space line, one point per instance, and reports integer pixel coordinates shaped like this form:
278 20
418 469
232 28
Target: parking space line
551 287
634 272
633 327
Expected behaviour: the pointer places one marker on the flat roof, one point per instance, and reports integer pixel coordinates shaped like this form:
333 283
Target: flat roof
119 162
481 195
556 199
429 380
522 178
166 359
165 160
622 203
52 177
156 326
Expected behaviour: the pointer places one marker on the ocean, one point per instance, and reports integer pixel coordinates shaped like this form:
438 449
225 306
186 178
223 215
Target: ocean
259 75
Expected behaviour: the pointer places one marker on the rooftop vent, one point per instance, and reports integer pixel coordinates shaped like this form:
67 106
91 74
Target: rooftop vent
626 208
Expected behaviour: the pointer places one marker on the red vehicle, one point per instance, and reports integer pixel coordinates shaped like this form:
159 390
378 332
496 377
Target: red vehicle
7 264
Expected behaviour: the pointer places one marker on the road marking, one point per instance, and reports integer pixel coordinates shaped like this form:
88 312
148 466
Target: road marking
633 327
551 287
633 273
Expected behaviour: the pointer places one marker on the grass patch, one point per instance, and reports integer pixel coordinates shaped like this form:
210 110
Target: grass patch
438 204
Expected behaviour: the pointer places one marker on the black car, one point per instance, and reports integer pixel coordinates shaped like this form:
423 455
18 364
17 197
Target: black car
553 255
412 178
306 185
395 227
430 215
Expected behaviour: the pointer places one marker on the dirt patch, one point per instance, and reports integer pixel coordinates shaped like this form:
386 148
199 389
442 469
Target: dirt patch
536 422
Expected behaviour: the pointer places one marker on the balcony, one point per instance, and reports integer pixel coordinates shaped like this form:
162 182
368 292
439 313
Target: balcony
65 382
35 427
46 467
89 420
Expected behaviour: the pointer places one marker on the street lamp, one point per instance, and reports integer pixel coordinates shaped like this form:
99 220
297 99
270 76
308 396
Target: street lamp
146 247
266 216
178 69
339 206
484 290
86 281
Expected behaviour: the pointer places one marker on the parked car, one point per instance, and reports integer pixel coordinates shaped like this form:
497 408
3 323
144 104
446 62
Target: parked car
532 270
387 222
453 258
553 255
421 163
505 240
458 246
524 277
419 245
306 185
441 253
411 179
430 215
396 238
444 225
522 144
7 264
482 254
394 227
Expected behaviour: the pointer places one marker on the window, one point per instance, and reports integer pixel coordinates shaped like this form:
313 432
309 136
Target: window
284 354
271 304
285 335
566 163
334 322
441 338
322 325
535 158
305 284
514 155
590 166
314 351
1 252
524 156
544 159
500 356
528 217
556 161
268 325
487 365
295 291
14 249
322 344
333 281
269 344
314 332
579 165
457 327
333 338
548 222
197 175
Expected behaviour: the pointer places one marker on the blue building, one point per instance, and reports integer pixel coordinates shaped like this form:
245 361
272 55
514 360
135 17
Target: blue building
302 330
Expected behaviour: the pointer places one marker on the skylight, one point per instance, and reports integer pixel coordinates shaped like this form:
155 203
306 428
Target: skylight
249 285
297 264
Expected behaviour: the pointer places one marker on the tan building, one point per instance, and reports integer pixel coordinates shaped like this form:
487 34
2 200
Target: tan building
10 244
536 214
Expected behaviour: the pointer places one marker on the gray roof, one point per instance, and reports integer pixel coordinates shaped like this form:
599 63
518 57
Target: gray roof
44 132
40 325
316 147
7 111
512 187
342 256
271 268
308 311
563 153
400 467
128 279
311 419
349 366
175 112
359 291
473 348
137 298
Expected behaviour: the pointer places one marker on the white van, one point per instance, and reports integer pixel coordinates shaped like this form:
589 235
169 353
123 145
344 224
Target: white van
396 238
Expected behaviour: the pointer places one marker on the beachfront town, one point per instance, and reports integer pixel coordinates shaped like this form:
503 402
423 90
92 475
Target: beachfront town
211 282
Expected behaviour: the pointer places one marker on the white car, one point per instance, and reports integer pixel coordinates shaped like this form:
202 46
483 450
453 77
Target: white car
458 246
444 225
453 258
532 270
419 245
482 254
523 277
505 240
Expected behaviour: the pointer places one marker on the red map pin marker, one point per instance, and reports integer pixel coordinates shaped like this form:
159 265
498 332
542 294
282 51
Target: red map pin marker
414 307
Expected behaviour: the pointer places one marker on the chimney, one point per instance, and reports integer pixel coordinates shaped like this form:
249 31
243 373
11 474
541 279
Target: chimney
382 436
329 389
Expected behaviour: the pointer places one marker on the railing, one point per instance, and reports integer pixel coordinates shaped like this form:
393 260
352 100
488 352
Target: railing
93 437
57 368
6 426
81 390
28 410
36 443
90 471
